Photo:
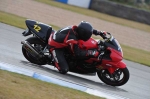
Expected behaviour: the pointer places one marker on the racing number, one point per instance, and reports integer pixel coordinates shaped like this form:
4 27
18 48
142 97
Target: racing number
37 28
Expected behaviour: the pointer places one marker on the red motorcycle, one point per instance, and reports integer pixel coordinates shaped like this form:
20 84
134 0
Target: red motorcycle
109 65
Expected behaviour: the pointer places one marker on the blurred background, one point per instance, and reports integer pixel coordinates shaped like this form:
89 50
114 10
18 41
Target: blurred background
140 4
136 10
127 20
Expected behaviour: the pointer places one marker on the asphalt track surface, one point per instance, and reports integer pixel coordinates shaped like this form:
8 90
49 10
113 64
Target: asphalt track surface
138 86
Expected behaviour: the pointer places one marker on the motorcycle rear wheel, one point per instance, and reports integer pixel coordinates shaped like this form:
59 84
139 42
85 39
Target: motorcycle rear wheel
33 41
114 79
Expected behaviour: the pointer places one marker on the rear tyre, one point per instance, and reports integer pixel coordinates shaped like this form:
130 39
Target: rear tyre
118 78
34 41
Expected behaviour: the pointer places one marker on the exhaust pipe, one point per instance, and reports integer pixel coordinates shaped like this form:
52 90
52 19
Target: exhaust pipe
31 50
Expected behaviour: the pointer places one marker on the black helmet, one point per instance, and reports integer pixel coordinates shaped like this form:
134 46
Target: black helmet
84 30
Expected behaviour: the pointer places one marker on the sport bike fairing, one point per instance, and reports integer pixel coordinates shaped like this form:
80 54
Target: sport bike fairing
39 29
113 54
113 50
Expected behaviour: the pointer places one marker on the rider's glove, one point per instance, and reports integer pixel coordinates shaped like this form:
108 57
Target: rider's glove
95 32
95 54
101 33
92 53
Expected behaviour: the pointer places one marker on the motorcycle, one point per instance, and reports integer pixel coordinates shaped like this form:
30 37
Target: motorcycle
109 66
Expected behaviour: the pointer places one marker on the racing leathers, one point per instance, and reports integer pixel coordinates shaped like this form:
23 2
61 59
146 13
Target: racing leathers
64 38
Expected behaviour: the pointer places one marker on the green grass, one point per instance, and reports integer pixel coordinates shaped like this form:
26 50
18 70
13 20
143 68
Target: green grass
12 20
16 86
132 54
15 20
136 55
99 15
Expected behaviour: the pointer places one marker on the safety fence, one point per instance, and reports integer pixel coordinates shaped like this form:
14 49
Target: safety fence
112 8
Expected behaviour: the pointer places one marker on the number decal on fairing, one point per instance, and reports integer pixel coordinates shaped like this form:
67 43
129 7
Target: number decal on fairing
37 28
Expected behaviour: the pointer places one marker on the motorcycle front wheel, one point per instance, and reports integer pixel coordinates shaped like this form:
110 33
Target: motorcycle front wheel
118 78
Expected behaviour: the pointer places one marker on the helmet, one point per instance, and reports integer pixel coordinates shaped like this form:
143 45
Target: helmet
84 30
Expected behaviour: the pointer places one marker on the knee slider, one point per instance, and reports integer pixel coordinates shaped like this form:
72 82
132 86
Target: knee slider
64 71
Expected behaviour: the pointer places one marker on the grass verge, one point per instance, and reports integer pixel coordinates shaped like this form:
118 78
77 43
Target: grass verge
15 20
99 15
16 86
136 55
132 54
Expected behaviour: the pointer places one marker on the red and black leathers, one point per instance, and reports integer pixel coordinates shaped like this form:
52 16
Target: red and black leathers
66 37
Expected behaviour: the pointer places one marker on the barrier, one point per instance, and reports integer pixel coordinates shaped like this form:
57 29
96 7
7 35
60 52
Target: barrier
121 11
79 3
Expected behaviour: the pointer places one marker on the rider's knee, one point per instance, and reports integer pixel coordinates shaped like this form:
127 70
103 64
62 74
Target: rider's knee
63 71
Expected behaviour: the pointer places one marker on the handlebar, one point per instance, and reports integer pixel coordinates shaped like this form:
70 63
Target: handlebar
108 36
101 43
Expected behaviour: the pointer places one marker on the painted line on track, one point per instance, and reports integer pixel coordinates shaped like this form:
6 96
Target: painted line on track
19 70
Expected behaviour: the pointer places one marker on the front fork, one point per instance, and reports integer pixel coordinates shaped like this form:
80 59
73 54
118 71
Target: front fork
112 66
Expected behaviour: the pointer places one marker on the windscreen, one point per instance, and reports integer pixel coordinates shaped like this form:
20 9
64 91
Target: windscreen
116 44
113 43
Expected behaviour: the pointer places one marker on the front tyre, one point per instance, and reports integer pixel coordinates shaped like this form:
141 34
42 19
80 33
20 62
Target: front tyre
118 78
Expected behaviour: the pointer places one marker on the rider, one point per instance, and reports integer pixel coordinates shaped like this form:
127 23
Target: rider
68 37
